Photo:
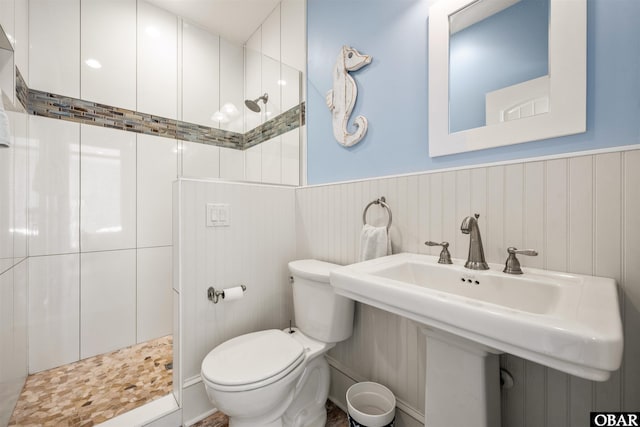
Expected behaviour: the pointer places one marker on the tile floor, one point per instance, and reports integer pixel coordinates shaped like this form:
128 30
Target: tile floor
96 389
335 418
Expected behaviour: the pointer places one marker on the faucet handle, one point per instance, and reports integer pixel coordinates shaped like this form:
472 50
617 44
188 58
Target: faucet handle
445 256
512 266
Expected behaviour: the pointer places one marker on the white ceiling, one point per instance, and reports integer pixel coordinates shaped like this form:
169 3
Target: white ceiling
234 20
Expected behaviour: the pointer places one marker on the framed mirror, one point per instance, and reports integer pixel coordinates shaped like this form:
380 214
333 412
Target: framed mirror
549 102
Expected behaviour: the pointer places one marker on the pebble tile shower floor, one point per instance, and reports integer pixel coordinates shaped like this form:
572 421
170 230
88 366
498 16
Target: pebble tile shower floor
93 390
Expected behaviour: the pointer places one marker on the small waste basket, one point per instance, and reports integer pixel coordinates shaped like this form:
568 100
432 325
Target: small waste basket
371 405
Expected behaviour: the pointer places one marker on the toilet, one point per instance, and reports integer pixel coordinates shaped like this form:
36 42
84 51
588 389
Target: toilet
280 378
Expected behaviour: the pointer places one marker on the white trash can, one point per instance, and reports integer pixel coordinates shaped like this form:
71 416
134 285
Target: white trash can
371 405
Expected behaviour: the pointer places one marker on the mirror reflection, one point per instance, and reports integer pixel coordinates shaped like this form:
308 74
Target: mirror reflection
498 60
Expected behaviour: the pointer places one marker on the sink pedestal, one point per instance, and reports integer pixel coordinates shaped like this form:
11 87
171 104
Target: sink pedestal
462 384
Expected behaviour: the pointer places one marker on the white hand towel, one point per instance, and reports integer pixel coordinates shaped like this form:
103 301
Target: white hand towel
374 242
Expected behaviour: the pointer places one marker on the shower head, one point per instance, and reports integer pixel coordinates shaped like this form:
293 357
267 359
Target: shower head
253 105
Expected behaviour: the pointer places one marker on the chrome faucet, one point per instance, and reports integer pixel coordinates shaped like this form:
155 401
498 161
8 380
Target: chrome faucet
475 260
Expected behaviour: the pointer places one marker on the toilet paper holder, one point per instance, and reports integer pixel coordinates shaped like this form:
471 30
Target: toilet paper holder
215 294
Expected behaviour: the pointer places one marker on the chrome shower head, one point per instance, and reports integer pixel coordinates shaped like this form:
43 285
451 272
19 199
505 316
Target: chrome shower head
253 105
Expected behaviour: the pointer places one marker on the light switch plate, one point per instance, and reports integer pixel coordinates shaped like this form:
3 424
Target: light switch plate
218 215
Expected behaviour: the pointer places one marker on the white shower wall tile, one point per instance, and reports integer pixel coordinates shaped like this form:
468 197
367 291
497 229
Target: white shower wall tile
113 82
232 86
54 49
576 212
108 301
271 34
7 20
156 171
253 80
253 163
289 87
255 41
9 391
21 188
20 359
157 61
271 84
293 34
200 160
108 190
272 161
6 325
7 190
177 347
154 295
13 337
7 58
54 186
200 75
21 35
231 164
54 311
290 155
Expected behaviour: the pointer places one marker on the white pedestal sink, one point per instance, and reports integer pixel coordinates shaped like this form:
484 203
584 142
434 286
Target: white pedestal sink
565 321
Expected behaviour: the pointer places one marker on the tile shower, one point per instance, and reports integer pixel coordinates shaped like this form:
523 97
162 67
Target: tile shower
92 164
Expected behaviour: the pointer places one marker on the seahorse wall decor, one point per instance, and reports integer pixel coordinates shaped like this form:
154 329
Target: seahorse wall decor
342 97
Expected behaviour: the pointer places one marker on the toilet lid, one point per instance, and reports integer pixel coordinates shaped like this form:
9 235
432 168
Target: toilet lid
252 358
312 269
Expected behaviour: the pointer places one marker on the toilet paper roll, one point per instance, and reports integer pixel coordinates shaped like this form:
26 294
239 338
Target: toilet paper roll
233 293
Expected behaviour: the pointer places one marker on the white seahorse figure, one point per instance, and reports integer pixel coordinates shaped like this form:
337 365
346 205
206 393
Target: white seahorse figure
342 97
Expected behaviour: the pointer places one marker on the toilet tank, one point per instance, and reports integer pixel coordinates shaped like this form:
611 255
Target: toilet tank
320 312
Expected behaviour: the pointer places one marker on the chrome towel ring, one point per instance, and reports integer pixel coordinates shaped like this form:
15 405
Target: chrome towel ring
382 202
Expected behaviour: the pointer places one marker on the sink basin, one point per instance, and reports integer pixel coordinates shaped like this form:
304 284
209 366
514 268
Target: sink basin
565 321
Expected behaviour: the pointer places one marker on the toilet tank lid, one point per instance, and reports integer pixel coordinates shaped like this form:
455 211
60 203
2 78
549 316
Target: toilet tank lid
312 269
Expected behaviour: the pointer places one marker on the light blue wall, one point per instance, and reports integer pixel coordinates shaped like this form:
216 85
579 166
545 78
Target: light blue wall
507 48
392 90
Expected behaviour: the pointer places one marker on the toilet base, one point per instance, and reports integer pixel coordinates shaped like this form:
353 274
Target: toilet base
320 420
252 423
308 407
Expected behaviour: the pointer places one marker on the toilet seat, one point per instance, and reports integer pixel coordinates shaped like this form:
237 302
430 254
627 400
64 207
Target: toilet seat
252 361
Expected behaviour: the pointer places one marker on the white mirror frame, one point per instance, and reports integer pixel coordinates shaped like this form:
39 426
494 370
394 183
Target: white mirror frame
567 83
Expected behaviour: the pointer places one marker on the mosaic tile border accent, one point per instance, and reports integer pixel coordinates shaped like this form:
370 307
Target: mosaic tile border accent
22 91
54 106
283 123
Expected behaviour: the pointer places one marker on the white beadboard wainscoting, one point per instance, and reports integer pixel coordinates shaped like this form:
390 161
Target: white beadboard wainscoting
580 213
253 250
